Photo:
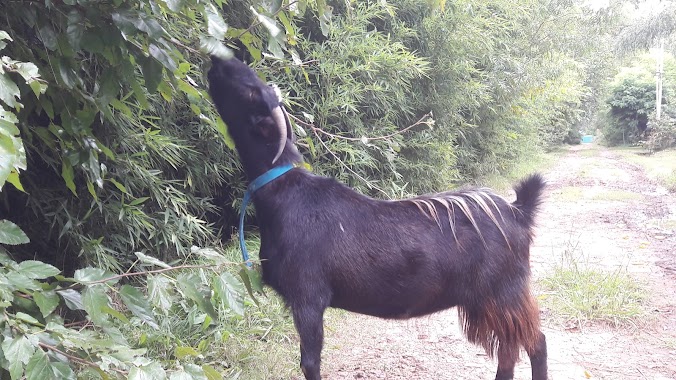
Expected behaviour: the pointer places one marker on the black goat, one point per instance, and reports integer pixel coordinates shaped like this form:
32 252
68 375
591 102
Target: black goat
325 245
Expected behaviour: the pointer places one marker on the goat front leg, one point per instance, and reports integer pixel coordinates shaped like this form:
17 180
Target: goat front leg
309 321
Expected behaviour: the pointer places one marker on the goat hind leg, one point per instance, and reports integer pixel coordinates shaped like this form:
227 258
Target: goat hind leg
538 358
309 324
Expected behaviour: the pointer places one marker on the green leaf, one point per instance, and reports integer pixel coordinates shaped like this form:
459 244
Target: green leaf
188 283
13 178
48 36
67 74
166 90
7 122
196 372
152 73
211 373
189 90
75 29
151 260
37 87
22 282
174 5
325 18
47 301
28 319
253 277
37 269
163 57
62 371
68 175
182 352
28 71
138 201
159 292
11 234
120 106
139 93
9 92
138 305
268 23
18 349
72 298
220 126
115 313
110 87
131 21
229 290
39 368
152 371
94 300
88 275
181 375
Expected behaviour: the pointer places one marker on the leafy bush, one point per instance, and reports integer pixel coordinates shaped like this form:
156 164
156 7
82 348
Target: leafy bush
96 326
12 151
631 100
661 133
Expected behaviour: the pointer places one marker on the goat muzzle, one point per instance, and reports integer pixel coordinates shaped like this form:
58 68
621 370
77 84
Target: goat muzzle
278 116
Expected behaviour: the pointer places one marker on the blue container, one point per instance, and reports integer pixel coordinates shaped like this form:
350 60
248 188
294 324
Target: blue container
587 139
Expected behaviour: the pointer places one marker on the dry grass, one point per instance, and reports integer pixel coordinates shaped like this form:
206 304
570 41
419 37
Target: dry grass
660 166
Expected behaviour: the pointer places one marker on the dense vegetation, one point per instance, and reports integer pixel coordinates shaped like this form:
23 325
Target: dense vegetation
630 115
116 172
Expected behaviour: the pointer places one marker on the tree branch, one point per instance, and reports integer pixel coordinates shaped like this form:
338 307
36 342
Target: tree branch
76 358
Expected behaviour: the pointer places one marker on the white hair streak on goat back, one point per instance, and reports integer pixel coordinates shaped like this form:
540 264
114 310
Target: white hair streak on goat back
481 197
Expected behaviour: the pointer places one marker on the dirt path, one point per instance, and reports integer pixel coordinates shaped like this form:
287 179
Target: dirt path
608 212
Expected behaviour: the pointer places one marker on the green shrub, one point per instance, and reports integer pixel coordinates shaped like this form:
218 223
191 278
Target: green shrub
630 102
661 133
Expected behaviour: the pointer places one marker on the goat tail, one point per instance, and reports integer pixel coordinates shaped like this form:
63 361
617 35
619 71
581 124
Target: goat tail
503 328
529 197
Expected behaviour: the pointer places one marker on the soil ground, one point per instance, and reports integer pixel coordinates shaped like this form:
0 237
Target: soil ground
606 211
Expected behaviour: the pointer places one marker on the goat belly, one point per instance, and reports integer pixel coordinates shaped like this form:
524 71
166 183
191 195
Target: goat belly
405 297
396 310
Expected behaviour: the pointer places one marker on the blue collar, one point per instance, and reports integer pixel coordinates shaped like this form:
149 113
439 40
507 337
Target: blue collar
256 184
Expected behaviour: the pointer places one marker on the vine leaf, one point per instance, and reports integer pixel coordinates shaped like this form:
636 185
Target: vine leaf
138 305
11 234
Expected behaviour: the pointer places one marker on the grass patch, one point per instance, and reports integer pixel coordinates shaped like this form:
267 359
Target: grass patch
660 166
575 194
577 293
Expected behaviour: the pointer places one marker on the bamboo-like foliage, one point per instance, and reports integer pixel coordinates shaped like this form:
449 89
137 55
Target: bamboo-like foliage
645 32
